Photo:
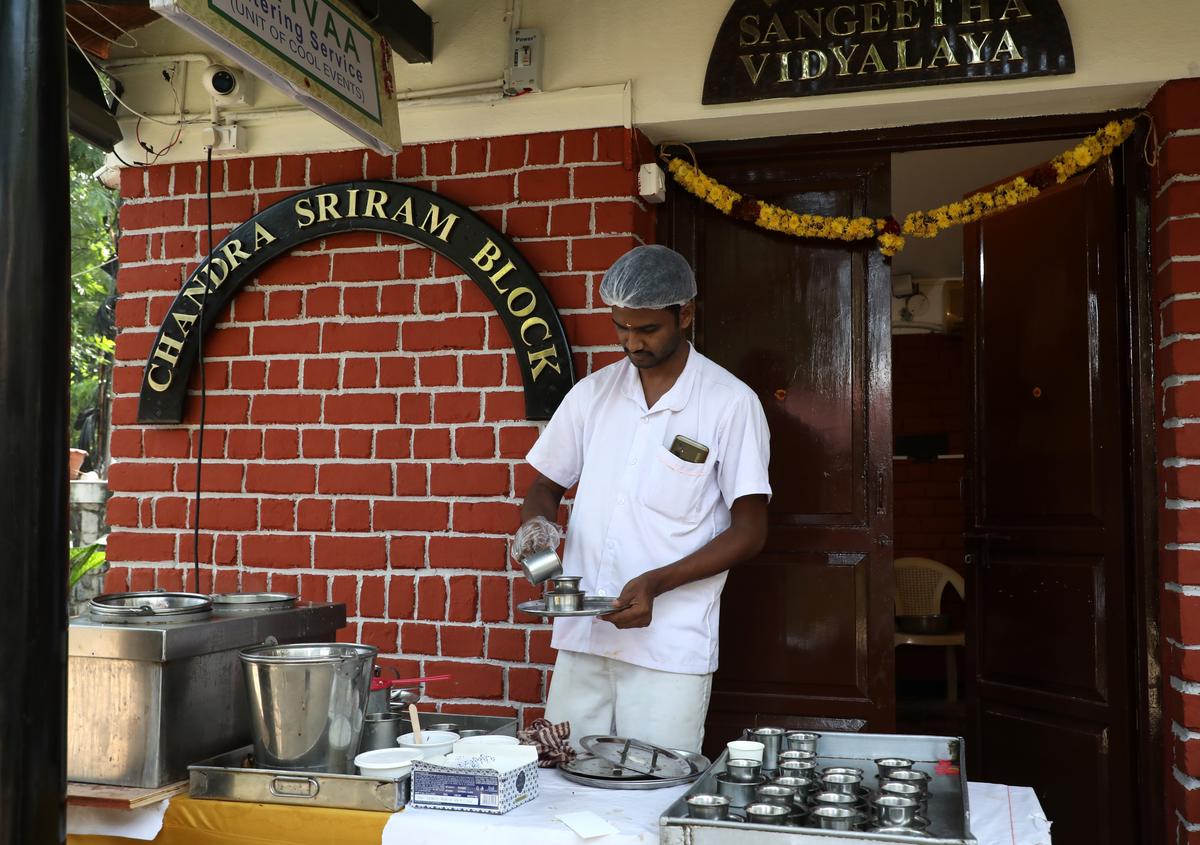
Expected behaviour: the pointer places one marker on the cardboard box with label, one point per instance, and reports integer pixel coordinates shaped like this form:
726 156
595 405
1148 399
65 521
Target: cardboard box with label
492 781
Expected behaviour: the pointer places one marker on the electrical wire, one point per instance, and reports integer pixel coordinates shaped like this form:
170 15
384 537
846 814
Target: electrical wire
108 21
108 88
203 387
137 129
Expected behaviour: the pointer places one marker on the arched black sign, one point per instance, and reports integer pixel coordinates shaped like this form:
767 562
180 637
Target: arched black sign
452 230
792 48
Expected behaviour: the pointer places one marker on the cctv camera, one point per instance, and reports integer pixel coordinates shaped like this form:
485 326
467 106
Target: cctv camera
226 85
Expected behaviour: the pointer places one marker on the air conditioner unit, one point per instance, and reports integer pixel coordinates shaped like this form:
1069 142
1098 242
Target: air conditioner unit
927 305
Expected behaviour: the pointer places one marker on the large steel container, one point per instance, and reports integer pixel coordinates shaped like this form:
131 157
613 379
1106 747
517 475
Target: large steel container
145 700
307 704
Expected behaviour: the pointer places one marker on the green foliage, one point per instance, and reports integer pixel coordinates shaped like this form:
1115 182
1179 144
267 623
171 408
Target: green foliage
83 560
93 245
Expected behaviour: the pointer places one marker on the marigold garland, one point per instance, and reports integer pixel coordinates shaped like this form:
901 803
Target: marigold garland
886 231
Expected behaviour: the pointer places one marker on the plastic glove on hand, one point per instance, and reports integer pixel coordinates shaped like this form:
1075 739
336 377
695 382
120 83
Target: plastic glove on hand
537 533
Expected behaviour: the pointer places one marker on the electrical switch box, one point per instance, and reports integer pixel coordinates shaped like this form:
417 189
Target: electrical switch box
524 73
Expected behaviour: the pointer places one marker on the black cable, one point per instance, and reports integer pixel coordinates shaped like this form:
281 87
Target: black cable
203 386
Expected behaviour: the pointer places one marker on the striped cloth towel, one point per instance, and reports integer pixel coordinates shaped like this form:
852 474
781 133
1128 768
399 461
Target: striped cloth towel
550 740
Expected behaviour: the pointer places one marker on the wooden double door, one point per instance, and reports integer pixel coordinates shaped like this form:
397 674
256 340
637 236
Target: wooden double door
807 627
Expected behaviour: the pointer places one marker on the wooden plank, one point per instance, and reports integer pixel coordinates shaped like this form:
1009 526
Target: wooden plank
119 797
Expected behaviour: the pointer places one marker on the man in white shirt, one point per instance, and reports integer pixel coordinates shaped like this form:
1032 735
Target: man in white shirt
657 527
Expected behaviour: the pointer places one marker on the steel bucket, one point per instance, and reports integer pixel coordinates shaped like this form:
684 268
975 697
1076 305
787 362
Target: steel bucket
307 703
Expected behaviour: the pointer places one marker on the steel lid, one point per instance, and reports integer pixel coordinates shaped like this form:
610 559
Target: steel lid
149 608
252 602
307 653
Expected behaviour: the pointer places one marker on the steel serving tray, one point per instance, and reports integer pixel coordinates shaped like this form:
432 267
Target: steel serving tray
231 777
596 772
949 811
592 606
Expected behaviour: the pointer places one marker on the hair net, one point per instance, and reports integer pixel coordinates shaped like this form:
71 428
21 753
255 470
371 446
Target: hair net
650 276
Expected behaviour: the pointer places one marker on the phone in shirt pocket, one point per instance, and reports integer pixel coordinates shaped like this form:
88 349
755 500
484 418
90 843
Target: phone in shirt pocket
688 450
675 484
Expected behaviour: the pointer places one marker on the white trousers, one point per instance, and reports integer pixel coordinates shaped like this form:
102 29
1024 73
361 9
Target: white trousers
599 695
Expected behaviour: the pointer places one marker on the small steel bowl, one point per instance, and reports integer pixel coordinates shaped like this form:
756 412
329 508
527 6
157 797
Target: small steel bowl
739 794
541 564
846 784
905 790
767 813
895 810
913 776
743 771
798 768
834 818
801 741
564 601
843 770
803 786
472 732
796 755
566 583
776 793
836 799
443 726
888 765
711 807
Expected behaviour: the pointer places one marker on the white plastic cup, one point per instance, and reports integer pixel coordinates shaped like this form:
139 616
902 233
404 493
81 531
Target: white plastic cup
488 739
433 743
744 749
386 762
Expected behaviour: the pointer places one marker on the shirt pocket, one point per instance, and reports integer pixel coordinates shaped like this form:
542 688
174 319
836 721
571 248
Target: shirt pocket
674 488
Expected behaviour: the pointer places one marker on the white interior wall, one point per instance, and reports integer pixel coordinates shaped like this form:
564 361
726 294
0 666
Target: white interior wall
1124 51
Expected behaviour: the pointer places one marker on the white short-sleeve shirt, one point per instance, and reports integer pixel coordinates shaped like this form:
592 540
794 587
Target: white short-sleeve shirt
638 507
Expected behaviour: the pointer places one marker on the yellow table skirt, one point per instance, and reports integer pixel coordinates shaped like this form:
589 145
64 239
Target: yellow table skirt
191 822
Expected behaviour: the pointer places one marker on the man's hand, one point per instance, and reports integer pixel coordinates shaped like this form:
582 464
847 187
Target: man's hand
635 605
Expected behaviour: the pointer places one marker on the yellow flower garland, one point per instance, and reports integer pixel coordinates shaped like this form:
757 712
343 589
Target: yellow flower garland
919 224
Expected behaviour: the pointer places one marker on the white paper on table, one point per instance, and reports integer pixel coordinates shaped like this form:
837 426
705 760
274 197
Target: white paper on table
143 824
586 824
1007 815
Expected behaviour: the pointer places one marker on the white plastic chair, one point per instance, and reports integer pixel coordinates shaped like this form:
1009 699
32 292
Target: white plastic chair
920 583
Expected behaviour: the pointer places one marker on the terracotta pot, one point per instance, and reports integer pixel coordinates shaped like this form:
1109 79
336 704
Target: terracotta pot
75 460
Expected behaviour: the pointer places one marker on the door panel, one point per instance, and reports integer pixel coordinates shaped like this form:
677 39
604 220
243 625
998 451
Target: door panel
1050 574
806 628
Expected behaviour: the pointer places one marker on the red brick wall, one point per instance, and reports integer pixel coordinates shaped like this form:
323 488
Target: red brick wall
1176 263
365 434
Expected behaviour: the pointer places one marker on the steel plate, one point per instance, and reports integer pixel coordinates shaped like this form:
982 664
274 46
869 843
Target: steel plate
571 771
592 606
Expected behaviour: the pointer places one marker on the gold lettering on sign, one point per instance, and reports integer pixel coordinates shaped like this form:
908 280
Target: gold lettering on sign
944 53
261 237
154 383
327 207
775 28
842 59
436 225
376 200
902 57
874 59
1017 6
1008 46
831 21
486 259
405 211
806 71
184 321
937 16
906 17
541 359
751 70
805 18
530 323
352 195
872 15
785 69
750 34
971 6
304 213
975 48
168 349
233 252
524 310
